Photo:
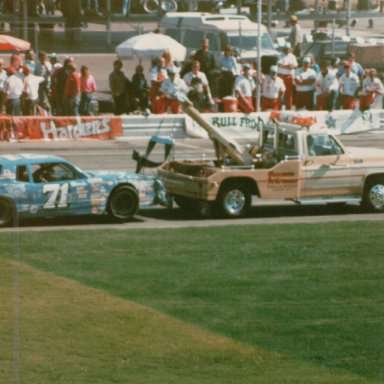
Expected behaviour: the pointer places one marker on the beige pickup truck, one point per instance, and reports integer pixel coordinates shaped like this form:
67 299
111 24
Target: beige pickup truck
305 164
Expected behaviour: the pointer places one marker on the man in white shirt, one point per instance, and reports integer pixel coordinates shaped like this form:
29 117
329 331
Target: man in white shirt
13 89
272 90
349 84
31 91
43 68
327 87
372 91
169 87
287 65
199 90
304 80
244 88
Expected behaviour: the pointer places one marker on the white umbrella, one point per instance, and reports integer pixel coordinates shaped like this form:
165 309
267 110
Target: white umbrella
150 45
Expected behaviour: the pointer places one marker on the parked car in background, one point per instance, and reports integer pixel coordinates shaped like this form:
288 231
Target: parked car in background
34 185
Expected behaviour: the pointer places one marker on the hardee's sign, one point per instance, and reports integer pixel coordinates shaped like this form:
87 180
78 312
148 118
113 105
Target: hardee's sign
59 128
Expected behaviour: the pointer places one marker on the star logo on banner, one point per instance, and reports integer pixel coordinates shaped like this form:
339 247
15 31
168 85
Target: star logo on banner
331 122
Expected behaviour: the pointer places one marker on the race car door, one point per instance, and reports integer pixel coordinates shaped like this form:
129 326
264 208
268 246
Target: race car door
326 169
59 189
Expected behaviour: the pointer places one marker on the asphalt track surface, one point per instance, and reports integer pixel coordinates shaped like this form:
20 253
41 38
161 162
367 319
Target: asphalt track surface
117 155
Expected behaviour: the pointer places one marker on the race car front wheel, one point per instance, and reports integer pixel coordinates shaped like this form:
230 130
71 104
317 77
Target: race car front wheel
123 203
373 199
7 211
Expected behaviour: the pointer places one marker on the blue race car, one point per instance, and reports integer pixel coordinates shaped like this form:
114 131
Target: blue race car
49 186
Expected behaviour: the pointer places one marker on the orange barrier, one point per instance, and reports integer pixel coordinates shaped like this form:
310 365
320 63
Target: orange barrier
292 118
59 128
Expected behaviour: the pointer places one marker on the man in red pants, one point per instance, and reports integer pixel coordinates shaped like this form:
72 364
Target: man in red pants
286 66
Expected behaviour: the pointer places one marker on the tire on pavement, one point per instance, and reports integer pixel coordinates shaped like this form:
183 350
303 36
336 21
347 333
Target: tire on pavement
123 203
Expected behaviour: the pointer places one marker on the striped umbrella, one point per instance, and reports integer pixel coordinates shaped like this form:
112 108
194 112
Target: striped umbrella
10 43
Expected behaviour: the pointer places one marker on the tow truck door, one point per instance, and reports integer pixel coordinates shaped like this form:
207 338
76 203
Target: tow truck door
326 168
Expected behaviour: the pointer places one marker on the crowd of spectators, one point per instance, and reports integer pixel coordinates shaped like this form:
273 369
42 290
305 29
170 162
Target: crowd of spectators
32 85
44 86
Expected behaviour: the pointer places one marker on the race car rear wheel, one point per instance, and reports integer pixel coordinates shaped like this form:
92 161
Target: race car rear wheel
234 200
373 199
123 203
7 210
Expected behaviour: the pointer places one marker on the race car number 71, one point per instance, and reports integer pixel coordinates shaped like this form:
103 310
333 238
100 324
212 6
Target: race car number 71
57 195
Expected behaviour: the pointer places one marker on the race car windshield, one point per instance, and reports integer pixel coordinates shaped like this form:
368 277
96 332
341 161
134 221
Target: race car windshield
249 42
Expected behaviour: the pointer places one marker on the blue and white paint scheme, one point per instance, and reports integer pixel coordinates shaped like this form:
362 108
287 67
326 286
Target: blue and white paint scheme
33 185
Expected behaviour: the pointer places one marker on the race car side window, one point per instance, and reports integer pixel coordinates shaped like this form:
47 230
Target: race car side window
22 173
53 172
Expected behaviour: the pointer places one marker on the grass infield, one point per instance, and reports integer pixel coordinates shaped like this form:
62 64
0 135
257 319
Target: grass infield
239 304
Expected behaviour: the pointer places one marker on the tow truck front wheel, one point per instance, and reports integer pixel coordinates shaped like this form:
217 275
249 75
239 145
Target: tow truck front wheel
373 199
234 201
123 203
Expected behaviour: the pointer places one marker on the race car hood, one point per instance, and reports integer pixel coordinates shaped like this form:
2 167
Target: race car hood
371 154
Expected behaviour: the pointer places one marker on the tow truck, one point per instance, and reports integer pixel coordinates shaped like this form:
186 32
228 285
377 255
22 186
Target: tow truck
298 161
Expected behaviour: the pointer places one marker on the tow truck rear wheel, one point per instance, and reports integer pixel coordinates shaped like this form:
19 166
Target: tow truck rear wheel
373 199
123 203
6 212
234 200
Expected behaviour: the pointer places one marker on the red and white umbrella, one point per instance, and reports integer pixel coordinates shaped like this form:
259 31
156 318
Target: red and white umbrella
10 43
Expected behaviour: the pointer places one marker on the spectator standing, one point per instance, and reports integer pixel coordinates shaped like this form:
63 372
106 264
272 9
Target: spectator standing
327 87
43 68
30 60
304 81
3 78
287 65
72 11
199 90
372 91
296 36
349 84
87 89
72 91
169 87
157 75
59 79
356 67
272 91
140 89
117 85
168 60
228 72
207 62
245 87
31 91
13 90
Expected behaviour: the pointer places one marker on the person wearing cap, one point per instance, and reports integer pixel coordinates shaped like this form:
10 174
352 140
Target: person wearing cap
272 90
172 85
58 80
13 90
199 89
157 75
287 65
31 91
304 81
244 89
295 36
349 84
327 87
372 91
356 67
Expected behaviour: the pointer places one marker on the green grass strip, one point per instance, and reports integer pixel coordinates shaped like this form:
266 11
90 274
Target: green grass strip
311 293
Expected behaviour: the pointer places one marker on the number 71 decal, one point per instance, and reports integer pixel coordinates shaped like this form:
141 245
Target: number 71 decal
57 195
